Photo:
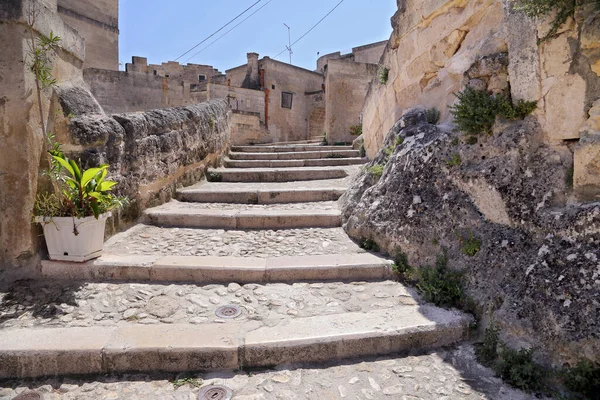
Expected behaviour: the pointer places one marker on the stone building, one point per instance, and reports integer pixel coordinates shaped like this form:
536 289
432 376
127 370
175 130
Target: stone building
97 22
282 102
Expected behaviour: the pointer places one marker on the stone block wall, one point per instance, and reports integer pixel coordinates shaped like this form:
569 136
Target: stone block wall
97 21
247 129
119 91
239 99
347 84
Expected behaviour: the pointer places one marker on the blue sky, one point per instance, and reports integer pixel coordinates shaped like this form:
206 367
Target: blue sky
162 31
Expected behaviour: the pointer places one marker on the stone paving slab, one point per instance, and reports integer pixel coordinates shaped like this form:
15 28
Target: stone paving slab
298 155
236 216
144 240
326 162
451 373
276 174
229 345
288 148
210 269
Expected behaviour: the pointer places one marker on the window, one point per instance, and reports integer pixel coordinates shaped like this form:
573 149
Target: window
286 99
166 75
273 87
201 78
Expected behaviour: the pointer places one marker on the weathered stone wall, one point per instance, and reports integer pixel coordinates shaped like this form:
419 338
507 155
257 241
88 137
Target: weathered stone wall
247 129
538 259
97 21
347 84
21 136
434 44
369 53
119 91
239 99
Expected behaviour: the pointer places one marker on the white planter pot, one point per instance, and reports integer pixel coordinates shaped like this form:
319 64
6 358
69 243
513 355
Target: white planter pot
64 245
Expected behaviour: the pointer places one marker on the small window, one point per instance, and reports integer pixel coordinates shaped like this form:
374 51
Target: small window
201 78
286 99
166 75
155 72
273 87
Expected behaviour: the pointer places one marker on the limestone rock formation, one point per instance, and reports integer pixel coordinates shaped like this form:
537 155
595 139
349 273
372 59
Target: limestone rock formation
538 262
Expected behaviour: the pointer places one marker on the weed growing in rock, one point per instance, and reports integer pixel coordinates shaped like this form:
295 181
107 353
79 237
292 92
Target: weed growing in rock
487 352
214 176
399 140
369 245
455 142
454 161
518 368
561 9
356 130
401 265
472 140
476 111
376 170
584 378
192 382
569 177
212 122
433 115
389 150
471 245
383 75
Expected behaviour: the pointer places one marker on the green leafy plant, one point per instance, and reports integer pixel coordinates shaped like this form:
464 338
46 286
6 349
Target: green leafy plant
472 140
454 161
356 130
376 170
471 245
369 245
562 9
399 141
81 193
389 150
518 368
584 379
433 115
192 382
487 352
212 122
383 74
455 141
476 111
440 285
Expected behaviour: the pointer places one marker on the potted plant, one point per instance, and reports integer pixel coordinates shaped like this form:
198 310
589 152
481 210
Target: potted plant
74 217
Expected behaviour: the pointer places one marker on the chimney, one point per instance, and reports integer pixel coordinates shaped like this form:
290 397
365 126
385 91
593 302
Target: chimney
252 80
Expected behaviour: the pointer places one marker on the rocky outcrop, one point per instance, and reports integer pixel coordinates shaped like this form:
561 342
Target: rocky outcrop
538 262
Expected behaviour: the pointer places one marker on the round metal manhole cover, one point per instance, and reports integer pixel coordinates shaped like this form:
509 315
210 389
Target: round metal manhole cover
228 312
215 393
28 396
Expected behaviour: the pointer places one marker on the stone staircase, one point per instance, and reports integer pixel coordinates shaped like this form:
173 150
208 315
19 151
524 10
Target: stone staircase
250 270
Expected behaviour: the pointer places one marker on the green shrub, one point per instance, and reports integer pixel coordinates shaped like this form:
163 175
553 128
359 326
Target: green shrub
517 368
472 140
455 141
440 285
356 130
454 161
212 122
383 75
389 150
471 245
369 245
476 111
584 379
401 265
376 170
433 115
487 352
399 140
563 9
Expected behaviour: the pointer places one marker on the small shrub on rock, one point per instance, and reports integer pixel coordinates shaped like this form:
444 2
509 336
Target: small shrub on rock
383 75
433 115
376 170
584 378
356 130
518 368
454 161
369 245
487 352
471 245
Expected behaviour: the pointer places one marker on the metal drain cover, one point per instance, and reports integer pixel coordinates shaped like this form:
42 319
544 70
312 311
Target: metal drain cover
228 312
28 396
215 393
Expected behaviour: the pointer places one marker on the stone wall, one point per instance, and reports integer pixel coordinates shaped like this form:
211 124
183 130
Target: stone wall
97 21
434 43
239 99
248 129
21 135
119 91
347 84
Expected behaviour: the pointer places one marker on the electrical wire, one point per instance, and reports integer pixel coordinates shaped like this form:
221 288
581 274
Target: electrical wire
219 30
310 30
225 34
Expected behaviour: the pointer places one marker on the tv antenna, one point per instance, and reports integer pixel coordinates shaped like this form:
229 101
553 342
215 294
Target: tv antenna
289 46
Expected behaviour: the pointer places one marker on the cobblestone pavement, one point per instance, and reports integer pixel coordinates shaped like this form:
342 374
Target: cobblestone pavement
152 240
68 304
444 375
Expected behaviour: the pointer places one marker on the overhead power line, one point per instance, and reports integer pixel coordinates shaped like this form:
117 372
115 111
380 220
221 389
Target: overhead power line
219 30
225 34
311 29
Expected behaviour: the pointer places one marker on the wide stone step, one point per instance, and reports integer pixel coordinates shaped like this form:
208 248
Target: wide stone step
117 267
301 155
324 162
287 148
175 328
234 216
274 174
264 193
312 141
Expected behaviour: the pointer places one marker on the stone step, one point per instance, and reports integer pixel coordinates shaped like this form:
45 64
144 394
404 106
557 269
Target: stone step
311 141
324 162
287 148
302 155
264 193
156 268
174 328
235 216
274 174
